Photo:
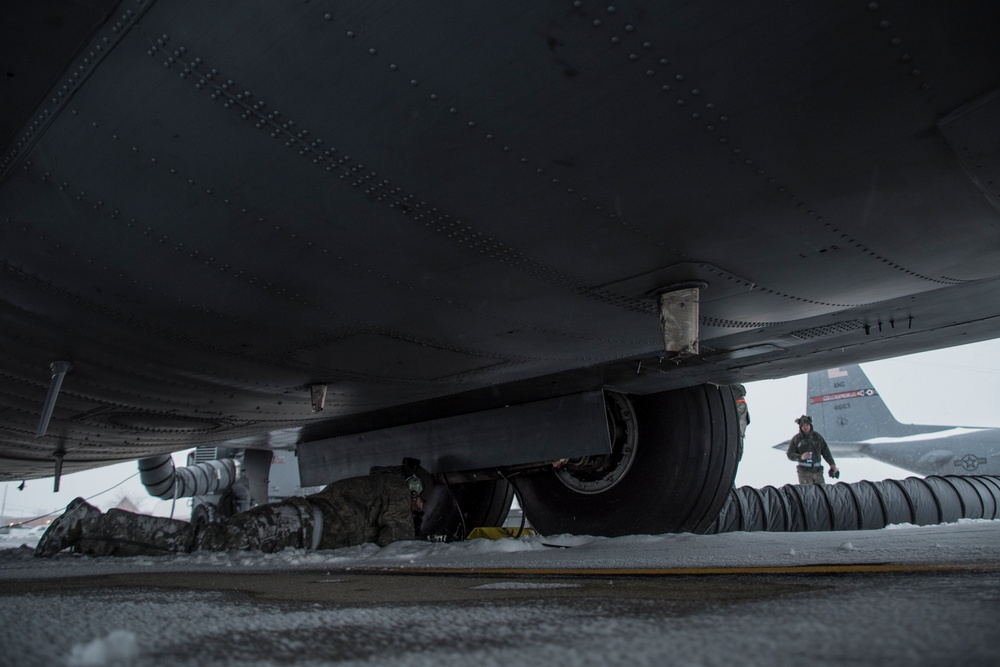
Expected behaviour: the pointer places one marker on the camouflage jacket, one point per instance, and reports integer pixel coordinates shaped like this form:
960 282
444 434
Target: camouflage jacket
374 508
809 442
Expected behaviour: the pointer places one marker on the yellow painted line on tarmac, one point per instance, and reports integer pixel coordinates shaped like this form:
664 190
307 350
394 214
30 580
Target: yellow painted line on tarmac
862 568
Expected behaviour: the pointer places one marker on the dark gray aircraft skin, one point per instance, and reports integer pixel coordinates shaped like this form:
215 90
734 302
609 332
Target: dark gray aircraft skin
487 236
854 420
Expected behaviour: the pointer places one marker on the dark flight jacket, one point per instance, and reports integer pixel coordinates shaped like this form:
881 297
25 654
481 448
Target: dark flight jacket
809 442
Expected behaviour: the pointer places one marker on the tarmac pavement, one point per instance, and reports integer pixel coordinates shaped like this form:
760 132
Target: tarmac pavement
922 596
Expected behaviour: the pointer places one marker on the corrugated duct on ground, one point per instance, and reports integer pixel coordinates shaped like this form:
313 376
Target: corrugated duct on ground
860 505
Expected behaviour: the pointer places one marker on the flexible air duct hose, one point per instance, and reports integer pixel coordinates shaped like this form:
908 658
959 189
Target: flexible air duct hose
163 480
860 505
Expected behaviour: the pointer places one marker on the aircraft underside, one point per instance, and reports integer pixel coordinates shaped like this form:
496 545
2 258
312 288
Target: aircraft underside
531 244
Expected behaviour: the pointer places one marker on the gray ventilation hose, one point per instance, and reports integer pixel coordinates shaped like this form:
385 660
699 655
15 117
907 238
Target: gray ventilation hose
861 505
163 480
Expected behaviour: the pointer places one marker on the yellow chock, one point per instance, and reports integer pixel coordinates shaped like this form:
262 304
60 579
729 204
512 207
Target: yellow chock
491 533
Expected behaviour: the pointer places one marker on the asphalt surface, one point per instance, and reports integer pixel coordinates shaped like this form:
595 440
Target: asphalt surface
908 596
861 616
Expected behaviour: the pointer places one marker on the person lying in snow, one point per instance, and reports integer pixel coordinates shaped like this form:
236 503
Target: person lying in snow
383 507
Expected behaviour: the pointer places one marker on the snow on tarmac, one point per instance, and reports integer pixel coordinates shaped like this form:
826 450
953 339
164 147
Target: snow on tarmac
110 627
966 541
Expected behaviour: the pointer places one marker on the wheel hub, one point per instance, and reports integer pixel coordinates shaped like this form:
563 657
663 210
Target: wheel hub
597 474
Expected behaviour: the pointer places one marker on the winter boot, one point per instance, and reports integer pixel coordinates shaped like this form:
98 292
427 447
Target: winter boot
268 528
80 517
121 533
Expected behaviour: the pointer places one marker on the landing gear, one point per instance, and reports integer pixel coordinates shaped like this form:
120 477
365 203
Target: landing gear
672 464
484 503
204 514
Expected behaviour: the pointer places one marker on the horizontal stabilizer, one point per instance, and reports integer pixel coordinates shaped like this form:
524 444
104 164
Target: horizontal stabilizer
840 450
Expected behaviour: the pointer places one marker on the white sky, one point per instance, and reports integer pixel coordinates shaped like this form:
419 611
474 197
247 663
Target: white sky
954 386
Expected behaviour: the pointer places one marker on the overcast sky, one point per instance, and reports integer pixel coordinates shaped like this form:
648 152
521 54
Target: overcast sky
955 386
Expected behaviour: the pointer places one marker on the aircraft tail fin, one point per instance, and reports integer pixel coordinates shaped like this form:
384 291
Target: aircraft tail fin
845 407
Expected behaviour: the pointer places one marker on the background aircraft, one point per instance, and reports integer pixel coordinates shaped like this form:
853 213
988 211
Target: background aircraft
490 238
851 415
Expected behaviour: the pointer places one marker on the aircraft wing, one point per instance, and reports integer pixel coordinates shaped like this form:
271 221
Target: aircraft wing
264 224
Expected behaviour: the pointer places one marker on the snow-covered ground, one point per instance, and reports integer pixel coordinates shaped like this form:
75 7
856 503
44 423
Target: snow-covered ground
542 614
968 541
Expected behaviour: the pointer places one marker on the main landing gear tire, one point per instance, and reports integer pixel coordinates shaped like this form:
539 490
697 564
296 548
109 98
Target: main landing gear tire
483 504
673 462
204 514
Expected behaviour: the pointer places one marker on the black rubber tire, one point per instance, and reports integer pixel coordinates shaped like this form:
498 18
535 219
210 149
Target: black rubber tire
684 466
202 515
484 503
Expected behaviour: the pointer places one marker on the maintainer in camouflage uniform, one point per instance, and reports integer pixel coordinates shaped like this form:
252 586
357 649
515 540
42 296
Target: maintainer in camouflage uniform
743 413
806 448
381 508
